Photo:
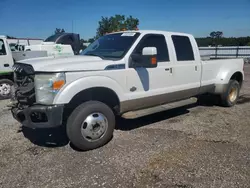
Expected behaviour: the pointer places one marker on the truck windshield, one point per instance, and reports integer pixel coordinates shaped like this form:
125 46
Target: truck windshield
113 46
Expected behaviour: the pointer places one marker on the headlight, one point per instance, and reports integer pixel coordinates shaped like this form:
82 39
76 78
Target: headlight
47 86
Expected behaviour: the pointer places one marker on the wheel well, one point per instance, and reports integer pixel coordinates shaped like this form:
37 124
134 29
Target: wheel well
7 76
101 94
237 76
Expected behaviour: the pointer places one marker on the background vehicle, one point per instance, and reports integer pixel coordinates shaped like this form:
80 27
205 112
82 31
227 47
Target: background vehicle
8 56
129 74
18 44
7 59
59 41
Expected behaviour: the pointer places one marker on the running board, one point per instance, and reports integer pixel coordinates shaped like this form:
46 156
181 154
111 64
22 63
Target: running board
160 108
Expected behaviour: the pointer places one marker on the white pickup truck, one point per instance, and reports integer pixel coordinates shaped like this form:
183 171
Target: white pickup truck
129 74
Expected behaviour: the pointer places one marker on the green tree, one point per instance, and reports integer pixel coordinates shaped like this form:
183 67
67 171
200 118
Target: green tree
248 44
216 36
116 23
58 30
231 41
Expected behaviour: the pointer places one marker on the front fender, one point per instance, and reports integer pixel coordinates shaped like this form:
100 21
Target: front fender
70 90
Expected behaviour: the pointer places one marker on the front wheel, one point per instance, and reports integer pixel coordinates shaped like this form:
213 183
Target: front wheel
91 125
5 88
230 96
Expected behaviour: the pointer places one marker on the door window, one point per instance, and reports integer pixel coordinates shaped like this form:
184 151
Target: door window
153 40
183 48
2 48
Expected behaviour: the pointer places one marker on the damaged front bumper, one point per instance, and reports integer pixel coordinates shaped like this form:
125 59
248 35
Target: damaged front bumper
38 116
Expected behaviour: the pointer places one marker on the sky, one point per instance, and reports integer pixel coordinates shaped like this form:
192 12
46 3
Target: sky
39 18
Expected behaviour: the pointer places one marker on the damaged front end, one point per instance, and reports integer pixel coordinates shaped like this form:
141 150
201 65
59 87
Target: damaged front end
23 101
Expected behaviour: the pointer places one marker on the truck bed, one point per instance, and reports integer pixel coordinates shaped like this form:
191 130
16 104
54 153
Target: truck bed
219 71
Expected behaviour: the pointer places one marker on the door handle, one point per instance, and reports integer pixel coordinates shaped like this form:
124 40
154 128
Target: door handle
195 68
169 69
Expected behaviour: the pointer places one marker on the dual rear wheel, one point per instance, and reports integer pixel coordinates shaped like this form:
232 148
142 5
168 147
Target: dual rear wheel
231 94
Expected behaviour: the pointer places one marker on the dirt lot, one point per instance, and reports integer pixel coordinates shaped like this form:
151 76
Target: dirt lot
200 146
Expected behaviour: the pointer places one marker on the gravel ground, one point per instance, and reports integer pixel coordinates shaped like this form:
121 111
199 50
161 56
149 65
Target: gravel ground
200 146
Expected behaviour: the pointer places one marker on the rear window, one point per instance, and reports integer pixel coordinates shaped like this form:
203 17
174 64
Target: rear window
183 48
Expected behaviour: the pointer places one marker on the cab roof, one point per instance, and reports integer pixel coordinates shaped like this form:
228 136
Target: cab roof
153 31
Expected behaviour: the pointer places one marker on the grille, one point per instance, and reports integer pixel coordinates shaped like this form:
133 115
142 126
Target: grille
24 83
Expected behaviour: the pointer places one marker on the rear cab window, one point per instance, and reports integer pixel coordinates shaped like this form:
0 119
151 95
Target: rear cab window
183 48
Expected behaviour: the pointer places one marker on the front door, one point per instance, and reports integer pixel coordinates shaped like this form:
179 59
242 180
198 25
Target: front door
146 87
5 58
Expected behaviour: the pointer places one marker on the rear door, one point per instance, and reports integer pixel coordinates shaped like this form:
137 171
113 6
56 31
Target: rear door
187 67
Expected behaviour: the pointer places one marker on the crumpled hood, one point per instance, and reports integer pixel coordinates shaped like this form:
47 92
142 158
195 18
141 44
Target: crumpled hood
67 63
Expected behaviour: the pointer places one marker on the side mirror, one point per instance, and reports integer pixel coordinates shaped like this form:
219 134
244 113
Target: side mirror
148 58
149 51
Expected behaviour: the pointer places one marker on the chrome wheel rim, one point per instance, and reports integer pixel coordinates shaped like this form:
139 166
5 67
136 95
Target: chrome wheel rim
233 94
5 89
94 127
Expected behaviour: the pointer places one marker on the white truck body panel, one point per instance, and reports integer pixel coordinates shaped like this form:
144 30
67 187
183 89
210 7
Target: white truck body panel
69 63
52 49
78 83
21 55
214 72
219 71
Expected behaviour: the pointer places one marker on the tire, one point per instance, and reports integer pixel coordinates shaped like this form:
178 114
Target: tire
80 130
5 84
230 96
